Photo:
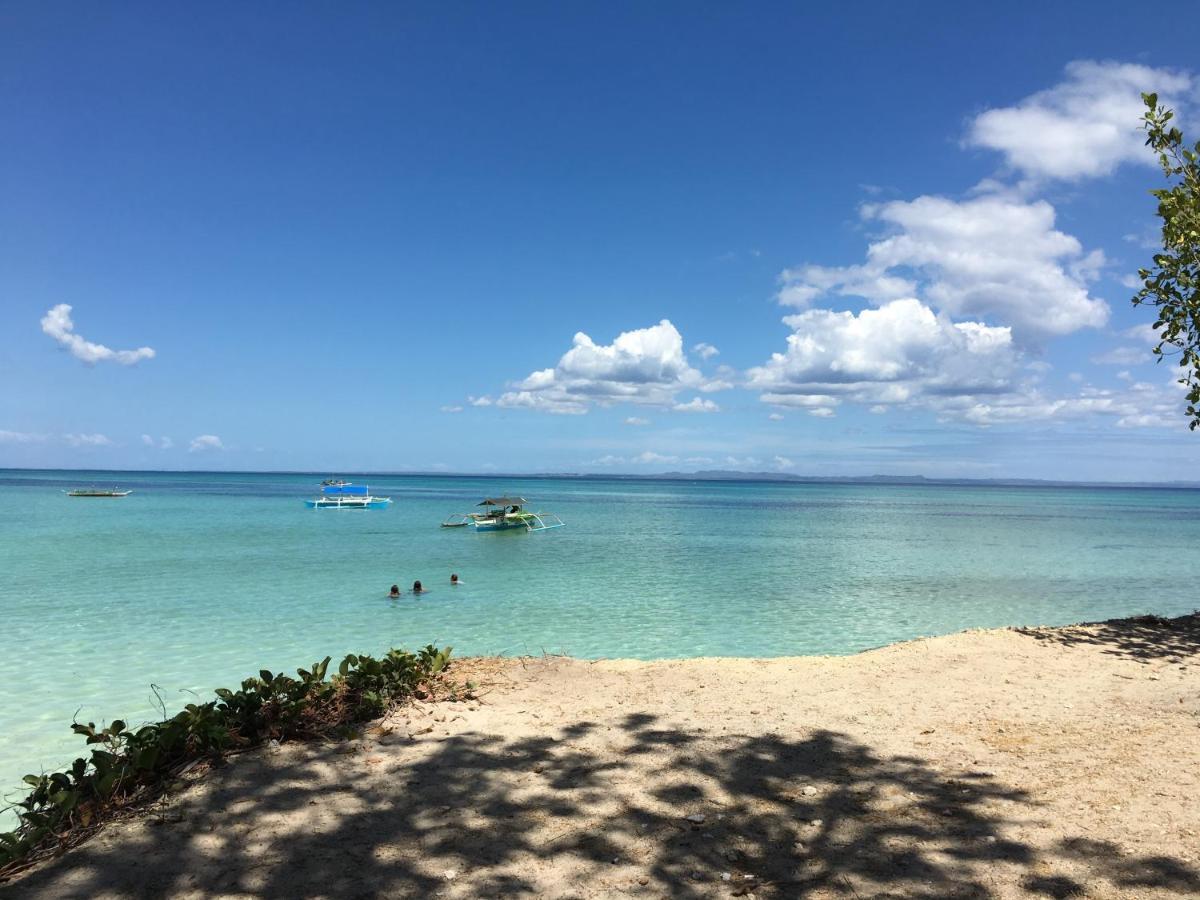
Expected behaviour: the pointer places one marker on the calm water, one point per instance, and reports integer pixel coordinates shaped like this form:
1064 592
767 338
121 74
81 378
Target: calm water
196 581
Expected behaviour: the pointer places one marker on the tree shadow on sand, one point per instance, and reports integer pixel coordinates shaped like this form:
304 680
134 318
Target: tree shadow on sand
1141 638
643 809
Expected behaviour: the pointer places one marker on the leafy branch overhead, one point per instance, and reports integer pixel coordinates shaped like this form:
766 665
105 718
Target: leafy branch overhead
1172 285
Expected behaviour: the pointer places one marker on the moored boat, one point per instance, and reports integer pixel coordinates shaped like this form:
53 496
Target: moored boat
97 492
347 496
502 514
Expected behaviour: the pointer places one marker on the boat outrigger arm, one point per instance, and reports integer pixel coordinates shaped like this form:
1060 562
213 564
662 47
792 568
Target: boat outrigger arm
503 513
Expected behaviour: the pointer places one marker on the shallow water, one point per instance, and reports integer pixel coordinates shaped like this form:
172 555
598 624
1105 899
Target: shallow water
197 580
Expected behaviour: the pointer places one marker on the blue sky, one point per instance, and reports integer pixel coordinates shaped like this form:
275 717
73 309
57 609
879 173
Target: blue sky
411 238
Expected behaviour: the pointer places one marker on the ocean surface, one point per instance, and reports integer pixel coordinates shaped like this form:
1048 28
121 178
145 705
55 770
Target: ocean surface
197 580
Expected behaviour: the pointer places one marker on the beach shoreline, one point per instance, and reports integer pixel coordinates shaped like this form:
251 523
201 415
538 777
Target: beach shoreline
1013 762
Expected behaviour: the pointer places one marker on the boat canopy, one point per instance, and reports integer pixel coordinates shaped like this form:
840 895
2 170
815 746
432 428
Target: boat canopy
345 490
503 501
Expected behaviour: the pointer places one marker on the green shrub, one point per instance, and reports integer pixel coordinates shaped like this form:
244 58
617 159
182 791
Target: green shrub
128 766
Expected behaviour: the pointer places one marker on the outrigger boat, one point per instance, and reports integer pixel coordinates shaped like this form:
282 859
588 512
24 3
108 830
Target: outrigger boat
347 496
503 513
97 492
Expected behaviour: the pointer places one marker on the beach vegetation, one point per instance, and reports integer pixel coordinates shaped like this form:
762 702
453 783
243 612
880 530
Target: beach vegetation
1172 284
127 767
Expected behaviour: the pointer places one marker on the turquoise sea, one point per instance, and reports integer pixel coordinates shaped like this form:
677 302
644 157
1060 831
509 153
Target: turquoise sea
197 580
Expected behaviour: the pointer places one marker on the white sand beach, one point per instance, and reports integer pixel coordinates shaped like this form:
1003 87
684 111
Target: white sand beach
1053 762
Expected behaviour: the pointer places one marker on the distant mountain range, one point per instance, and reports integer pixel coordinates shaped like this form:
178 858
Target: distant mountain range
732 475
705 475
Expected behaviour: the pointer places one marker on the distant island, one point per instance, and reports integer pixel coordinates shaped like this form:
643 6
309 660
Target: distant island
703 475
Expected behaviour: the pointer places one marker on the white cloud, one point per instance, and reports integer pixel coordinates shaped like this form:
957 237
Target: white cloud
645 458
985 257
699 461
821 412
650 458
1085 126
164 443
782 462
452 409
1123 356
705 351
899 353
88 440
20 437
1139 405
743 463
637 420
608 460
479 401
646 366
58 325
203 442
775 417
696 404
147 440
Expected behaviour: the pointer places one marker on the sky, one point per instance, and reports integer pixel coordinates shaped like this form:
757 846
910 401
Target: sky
619 237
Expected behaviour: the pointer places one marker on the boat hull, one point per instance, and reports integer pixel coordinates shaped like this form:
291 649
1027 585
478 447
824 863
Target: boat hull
349 503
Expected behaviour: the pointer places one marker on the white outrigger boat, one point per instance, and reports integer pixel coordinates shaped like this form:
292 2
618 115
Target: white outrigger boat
347 496
503 513
97 492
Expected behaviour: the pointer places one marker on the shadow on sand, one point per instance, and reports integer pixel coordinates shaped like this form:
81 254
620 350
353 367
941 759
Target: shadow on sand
478 815
1142 638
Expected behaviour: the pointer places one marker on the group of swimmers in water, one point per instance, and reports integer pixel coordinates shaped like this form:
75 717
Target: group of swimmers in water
418 589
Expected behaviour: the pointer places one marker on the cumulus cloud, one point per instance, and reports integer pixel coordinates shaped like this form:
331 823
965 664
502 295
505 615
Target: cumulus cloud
88 440
646 366
204 442
705 351
775 417
452 409
637 420
901 352
58 325
782 462
696 404
991 257
163 443
1084 126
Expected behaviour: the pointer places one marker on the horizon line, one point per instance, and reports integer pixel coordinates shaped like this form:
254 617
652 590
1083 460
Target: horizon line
701 474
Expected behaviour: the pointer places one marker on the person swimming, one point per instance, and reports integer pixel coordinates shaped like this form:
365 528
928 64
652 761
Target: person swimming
417 589
454 579
395 591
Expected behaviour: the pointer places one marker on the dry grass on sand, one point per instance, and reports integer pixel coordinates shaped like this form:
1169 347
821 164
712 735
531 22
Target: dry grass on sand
1036 763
